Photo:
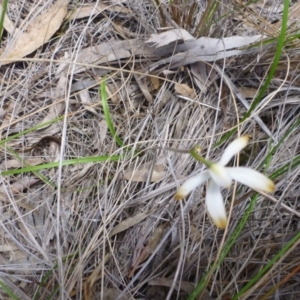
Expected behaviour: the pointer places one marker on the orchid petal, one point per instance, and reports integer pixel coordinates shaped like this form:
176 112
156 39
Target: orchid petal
252 178
215 205
191 184
233 148
220 175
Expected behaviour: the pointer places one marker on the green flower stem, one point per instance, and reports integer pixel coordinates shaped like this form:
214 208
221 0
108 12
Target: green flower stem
184 151
194 152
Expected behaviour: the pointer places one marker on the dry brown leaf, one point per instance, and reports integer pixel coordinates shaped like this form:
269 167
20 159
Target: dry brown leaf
80 170
247 92
145 86
124 225
224 105
200 71
91 10
155 82
105 52
202 46
184 285
154 240
156 237
165 38
103 130
87 101
17 256
193 50
110 51
142 172
95 276
185 90
8 247
195 234
37 33
3 260
112 90
181 123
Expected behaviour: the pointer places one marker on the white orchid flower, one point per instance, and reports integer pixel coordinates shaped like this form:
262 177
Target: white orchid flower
219 176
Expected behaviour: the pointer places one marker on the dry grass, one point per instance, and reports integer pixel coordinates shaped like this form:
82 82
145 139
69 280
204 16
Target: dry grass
59 226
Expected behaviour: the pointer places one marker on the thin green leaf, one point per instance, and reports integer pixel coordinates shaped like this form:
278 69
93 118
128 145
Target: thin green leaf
274 149
37 174
108 119
234 236
64 163
46 277
8 291
227 247
4 9
205 22
236 233
232 239
2 142
281 41
267 266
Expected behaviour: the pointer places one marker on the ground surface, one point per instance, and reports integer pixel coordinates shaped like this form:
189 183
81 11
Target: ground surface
96 218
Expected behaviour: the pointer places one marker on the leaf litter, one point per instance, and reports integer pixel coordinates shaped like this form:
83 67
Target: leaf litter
116 231
36 33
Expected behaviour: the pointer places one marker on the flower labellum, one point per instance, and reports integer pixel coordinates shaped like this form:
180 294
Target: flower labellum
219 176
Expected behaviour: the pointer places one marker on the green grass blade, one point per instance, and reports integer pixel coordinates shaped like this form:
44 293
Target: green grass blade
281 41
46 278
267 266
227 247
64 163
234 236
4 9
108 119
37 174
15 154
2 142
8 291
206 22
283 169
274 149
